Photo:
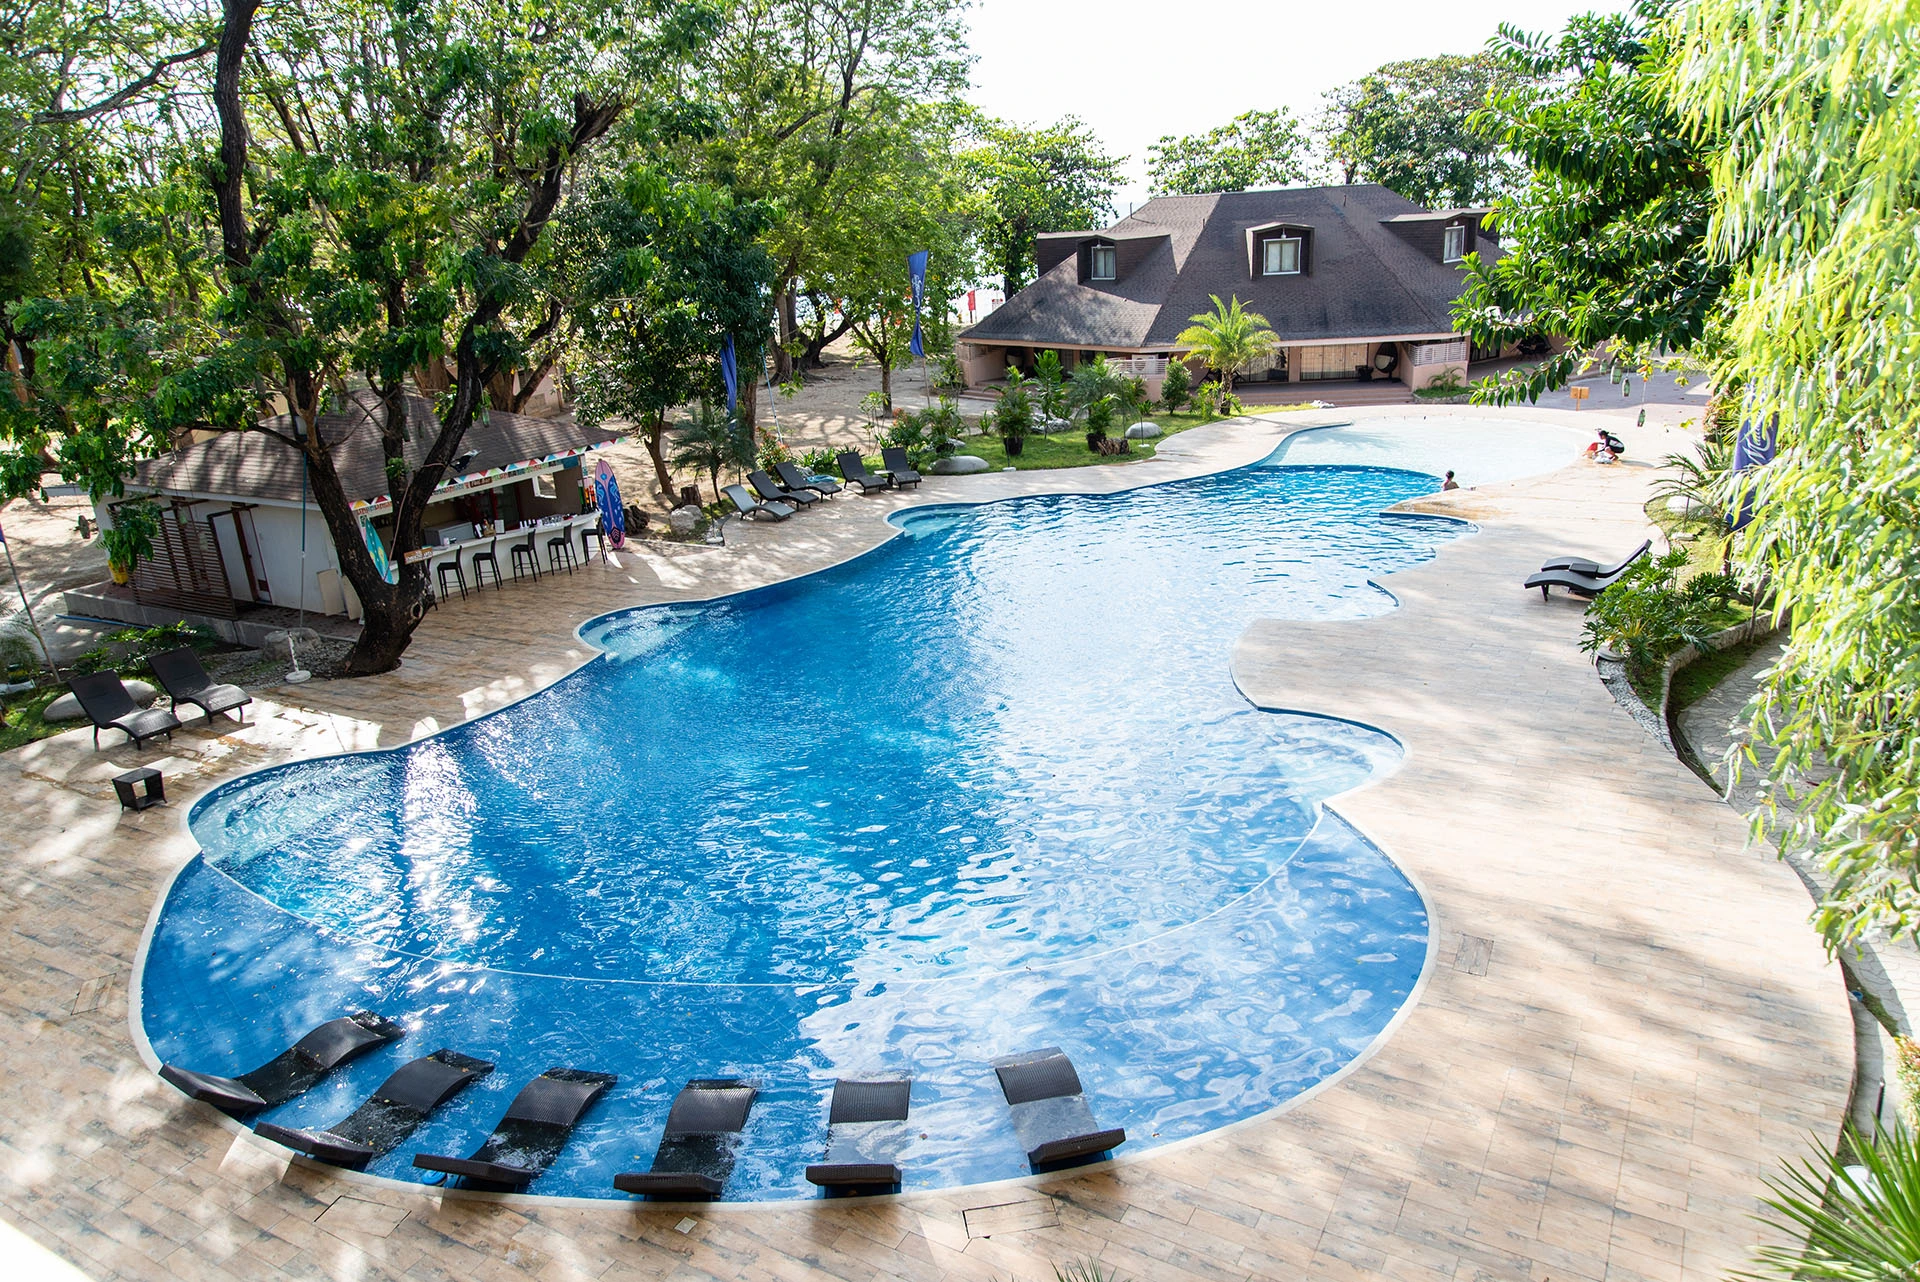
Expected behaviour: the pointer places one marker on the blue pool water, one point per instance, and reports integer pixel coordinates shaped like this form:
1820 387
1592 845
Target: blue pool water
986 788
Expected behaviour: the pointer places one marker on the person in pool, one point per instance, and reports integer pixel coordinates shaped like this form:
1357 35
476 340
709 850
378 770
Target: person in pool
1449 483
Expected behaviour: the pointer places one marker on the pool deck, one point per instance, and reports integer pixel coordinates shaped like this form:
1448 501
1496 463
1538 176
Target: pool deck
1628 1022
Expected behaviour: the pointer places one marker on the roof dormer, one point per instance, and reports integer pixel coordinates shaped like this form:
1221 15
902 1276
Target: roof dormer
1279 249
1449 235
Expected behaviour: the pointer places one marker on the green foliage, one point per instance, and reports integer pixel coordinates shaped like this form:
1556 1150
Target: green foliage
1857 1224
924 434
817 462
1446 383
130 541
1013 416
1228 338
1030 180
1176 389
1648 614
1254 149
1704 479
1606 241
1413 127
772 450
1214 401
1098 389
1817 190
1054 400
1087 1270
946 371
712 443
128 649
19 656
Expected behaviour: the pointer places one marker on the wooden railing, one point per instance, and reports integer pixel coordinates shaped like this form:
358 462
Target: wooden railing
186 570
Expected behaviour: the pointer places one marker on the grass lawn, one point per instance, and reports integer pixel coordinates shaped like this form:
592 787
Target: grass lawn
1069 449
23 723
1695 681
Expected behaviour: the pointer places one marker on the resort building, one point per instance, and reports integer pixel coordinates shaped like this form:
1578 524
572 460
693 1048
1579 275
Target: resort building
1356 280
240 534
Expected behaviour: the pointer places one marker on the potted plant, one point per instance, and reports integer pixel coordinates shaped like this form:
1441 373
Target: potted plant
1099 419
1013 418
134 526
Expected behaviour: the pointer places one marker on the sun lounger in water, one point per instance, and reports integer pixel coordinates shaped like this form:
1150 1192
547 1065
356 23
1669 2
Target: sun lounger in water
1580 565
109 706
391 1113
535 1127
696 1150
1050 1113
292 1071
185 681
866 1129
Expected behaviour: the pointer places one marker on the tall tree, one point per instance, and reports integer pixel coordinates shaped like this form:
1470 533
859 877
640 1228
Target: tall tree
1606 242
1412 126
1228 338
1816 190
1027 180
1254 149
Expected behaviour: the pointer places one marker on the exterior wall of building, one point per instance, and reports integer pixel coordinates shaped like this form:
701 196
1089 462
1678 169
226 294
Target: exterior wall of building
1422 363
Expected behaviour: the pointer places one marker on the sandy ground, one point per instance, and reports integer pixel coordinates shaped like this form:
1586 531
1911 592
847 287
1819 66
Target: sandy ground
51 557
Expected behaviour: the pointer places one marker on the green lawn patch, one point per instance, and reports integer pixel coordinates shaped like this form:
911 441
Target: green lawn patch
23 723
1697 680
1069 449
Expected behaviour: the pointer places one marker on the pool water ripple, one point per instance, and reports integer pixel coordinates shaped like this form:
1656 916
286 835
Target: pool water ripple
987 787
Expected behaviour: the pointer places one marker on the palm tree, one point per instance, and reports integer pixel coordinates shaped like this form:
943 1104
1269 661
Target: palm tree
1227 338
710 442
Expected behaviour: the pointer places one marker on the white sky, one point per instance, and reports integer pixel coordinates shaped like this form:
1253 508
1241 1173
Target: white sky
1137 71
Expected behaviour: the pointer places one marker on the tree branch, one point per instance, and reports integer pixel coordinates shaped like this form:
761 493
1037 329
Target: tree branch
123 95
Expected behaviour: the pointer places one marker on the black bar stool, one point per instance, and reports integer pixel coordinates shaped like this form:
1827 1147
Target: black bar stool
484 560
592 532
559 552
533 558
460 576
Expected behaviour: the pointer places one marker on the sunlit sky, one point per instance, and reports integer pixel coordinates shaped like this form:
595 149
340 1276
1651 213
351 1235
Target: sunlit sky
1137 71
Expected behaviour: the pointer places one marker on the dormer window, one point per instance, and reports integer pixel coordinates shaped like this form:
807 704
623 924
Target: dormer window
1281 256
1103 266
1454 247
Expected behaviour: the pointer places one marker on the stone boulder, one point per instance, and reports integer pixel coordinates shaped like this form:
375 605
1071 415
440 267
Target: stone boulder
1048 426
1683 505
1144 430
959 465
67 708
682 520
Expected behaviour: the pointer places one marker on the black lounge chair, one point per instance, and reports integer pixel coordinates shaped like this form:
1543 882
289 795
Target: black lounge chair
393 1112
750 506
854 468
185 681
535 1127
292 1071
1587 585
696 1150
794 479
865 1132
770 490
898 467
1580 565
109 706
1050 1113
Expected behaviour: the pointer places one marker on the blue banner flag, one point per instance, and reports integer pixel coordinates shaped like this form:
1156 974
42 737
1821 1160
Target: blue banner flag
917 273
729 372
1752 448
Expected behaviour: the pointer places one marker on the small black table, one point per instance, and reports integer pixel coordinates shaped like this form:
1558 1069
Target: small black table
153 794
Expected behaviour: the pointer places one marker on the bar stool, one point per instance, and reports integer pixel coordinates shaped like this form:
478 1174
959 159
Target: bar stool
460 576
482 560
559 551
592 532
533 558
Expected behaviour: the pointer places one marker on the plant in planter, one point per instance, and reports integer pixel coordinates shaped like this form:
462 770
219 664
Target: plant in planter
1013 417
1648 615
1099 419
134 526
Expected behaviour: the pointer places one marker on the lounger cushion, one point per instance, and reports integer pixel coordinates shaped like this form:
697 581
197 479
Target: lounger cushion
425 1084
710 1106
339 1040
668 1184
553 1100
869 1102
1042 1074
833 1175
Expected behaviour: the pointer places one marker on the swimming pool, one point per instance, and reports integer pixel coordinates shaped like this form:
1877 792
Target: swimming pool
985 788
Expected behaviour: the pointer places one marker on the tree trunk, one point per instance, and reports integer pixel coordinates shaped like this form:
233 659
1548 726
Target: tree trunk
886 380
783 309
655 437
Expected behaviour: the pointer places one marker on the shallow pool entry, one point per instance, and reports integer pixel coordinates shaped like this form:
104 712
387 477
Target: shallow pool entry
987 788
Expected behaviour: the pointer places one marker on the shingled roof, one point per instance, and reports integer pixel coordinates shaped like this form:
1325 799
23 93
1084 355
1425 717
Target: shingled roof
1368 278
262 468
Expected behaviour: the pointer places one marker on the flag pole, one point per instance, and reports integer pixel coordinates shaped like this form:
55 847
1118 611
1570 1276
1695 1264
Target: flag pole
25 604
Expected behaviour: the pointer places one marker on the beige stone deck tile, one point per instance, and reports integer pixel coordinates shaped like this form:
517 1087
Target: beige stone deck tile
1601 1103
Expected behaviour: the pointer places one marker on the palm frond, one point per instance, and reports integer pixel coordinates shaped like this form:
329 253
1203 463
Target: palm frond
1860 1223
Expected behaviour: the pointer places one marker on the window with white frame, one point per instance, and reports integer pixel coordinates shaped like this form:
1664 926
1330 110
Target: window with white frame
1103 263
1455 246
1281 256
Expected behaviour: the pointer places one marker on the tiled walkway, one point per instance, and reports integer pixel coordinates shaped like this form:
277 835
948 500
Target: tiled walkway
1628 1022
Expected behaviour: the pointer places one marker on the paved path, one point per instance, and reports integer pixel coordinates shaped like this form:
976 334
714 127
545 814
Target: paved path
1628 1022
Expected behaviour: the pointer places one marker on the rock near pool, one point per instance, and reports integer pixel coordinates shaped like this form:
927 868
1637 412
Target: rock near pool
67 708
1143 431
959 465
682 519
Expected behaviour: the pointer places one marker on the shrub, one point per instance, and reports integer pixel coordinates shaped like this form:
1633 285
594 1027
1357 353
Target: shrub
1013 417
1840 1219
925 434
130 648
773 450
1054 401
947 372
1214 401
19 656
1177 389
131 539
817 462
1648 615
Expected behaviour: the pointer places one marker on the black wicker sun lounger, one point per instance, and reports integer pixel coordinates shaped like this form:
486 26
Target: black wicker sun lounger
1580 565
898 467
750 506
535 1127
1587 585
696 1150
767 488
1050 1113
109 706
185 681
292 1071
393 1112
854 468
795 479
866 1129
